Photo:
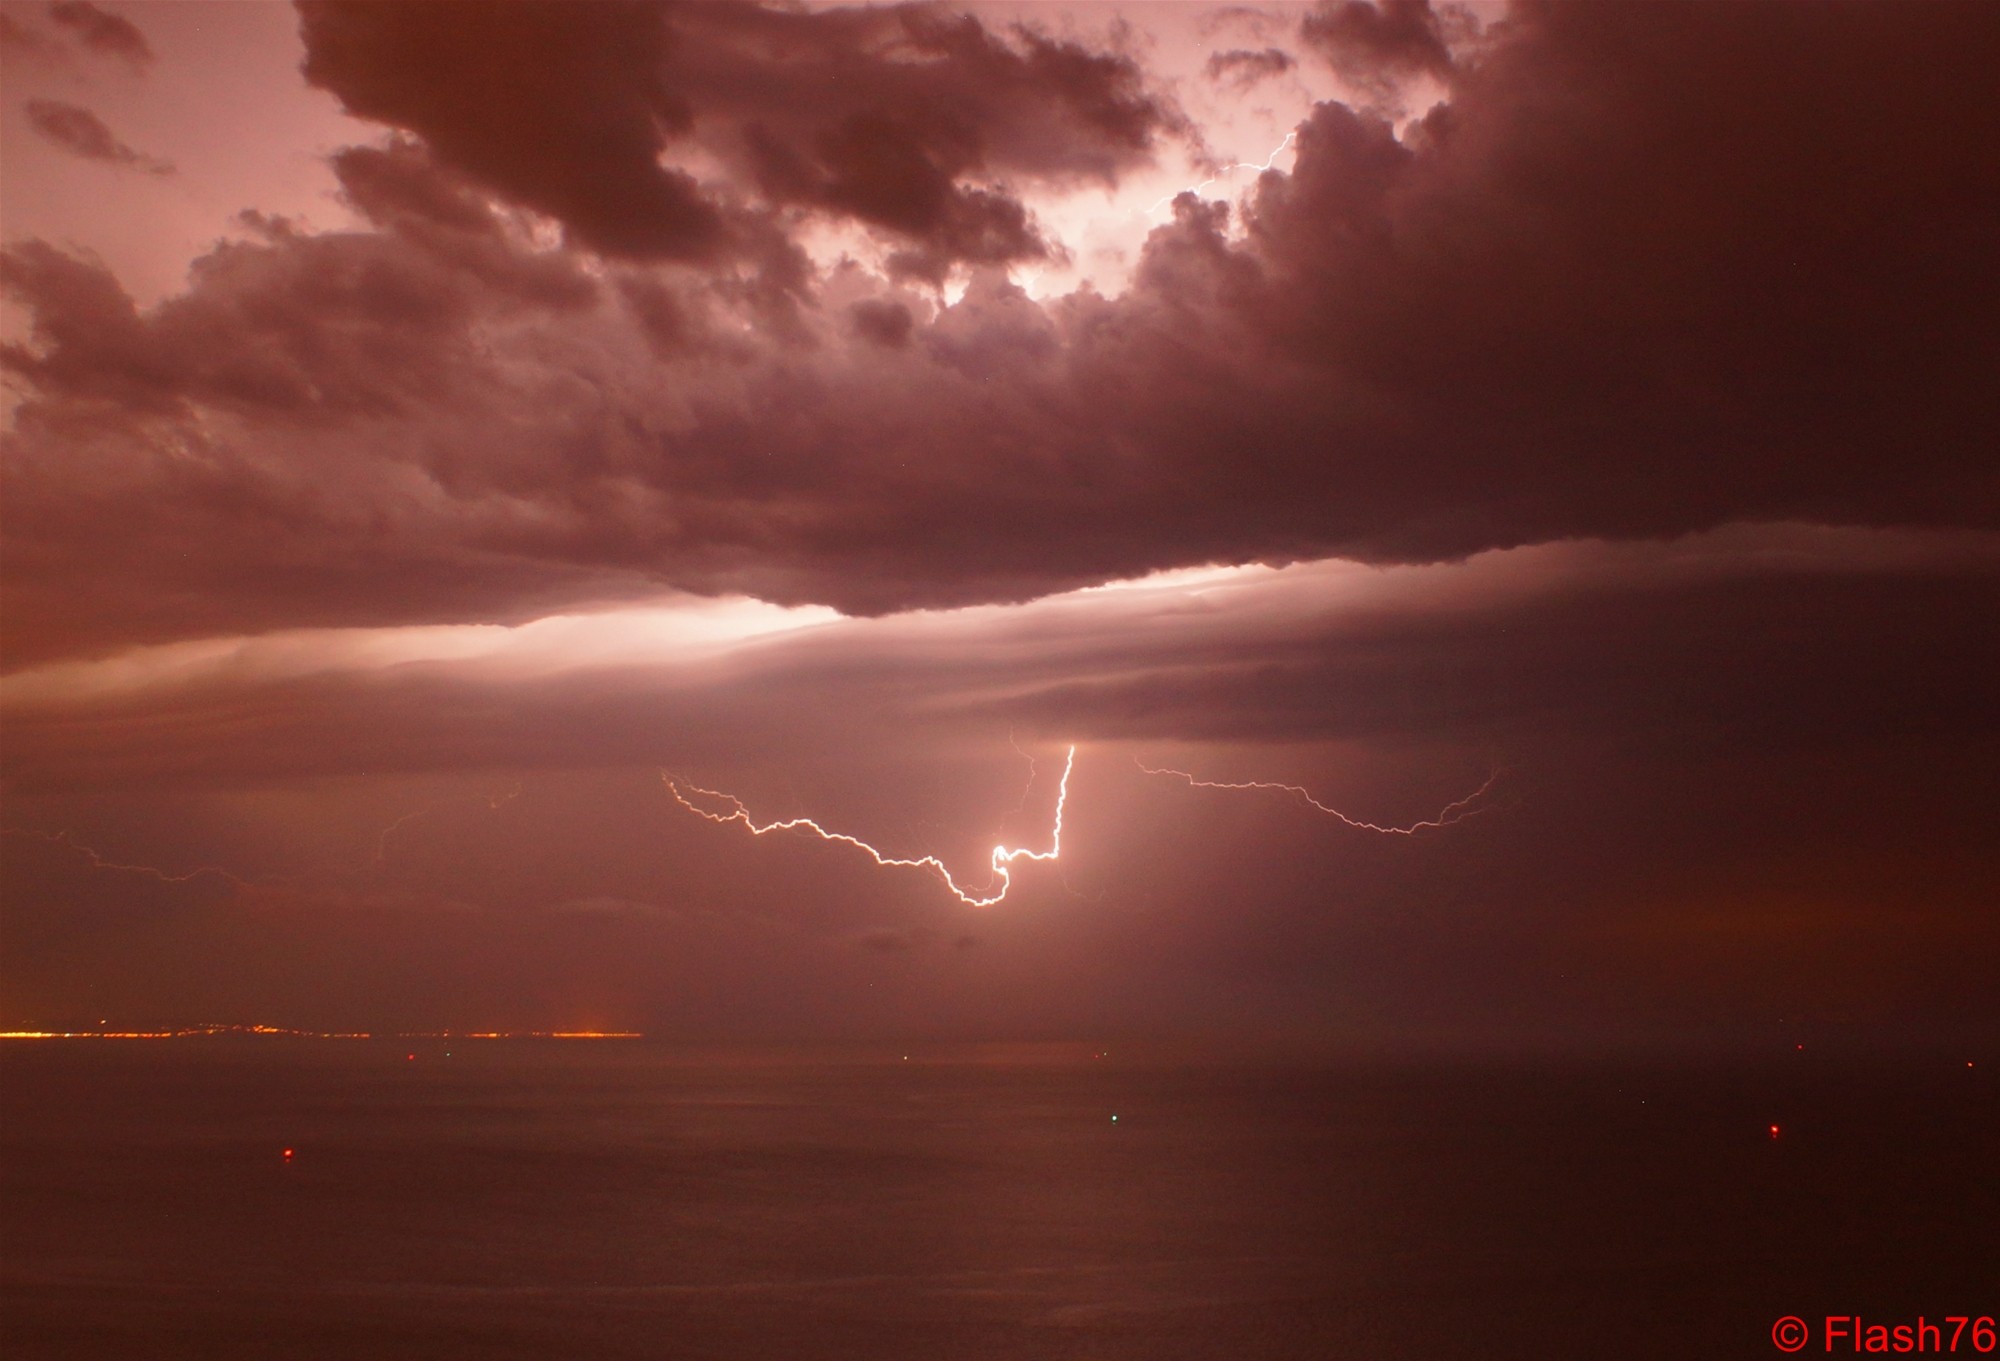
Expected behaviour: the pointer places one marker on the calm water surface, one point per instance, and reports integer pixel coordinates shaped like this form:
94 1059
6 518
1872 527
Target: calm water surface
525 1199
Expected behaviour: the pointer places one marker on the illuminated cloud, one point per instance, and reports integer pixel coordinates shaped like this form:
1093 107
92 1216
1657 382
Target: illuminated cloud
1369 360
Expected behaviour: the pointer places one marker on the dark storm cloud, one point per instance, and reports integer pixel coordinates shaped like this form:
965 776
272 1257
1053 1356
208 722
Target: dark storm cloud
878 115
1650 269
82 133
290 326
304 328
109 34
883 115
1241 67
563 107
1374 45
881 320
401 191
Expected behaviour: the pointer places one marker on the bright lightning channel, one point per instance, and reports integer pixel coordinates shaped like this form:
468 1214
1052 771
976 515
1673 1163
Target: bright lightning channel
1002 860
1231 169
1469 806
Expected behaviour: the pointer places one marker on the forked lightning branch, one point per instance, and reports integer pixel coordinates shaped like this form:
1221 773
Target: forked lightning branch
721 808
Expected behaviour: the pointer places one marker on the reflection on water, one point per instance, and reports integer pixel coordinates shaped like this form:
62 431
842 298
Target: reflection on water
540 1200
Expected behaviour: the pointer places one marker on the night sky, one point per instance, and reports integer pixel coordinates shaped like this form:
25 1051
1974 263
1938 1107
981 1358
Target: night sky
423 434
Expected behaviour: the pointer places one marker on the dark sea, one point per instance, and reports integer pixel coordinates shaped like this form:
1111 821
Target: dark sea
615 1199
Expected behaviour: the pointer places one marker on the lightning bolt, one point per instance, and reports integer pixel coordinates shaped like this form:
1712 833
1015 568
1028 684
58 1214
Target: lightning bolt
1002 860
1453 812
1029 787
98 861
493 802
1231 169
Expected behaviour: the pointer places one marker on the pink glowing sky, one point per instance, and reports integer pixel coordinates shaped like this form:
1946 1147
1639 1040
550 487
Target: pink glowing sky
421 434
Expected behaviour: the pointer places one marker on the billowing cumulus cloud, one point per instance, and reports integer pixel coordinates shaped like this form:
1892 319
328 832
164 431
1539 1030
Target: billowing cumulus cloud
1573 299
1376 43
885 116
566 110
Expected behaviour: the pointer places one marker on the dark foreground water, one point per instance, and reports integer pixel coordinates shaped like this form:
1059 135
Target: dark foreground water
570 1200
